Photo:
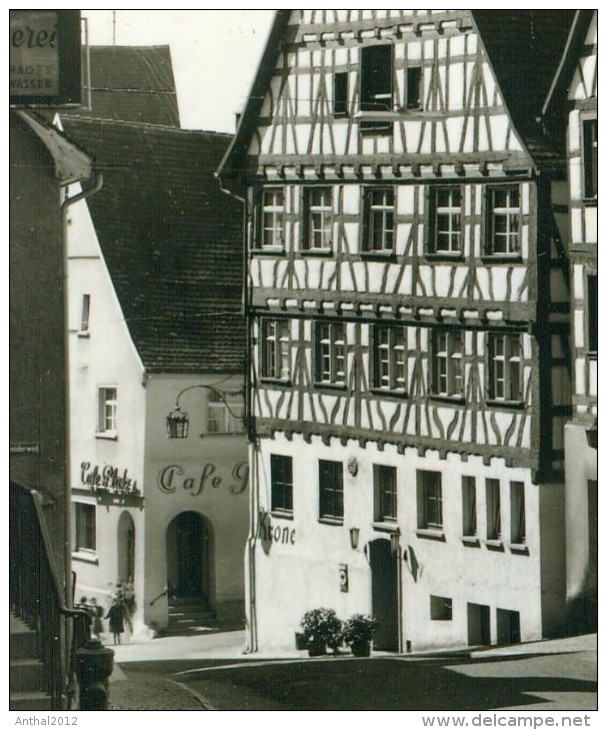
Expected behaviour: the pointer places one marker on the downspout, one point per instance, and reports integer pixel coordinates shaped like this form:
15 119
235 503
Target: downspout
65 205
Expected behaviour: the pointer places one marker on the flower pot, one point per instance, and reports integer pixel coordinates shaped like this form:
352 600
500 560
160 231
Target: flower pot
300 641
361 648
317 648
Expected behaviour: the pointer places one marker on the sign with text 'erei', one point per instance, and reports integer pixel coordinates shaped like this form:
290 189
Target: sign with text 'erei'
45 58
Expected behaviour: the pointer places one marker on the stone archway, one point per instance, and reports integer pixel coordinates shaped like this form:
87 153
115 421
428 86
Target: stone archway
189 560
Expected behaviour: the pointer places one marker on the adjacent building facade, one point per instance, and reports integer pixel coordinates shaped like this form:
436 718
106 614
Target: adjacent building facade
155 267
407 322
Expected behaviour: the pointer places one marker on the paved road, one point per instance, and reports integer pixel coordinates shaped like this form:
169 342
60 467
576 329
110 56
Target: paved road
549 676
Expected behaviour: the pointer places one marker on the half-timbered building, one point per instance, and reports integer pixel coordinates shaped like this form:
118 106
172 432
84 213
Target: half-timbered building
574 96
407 321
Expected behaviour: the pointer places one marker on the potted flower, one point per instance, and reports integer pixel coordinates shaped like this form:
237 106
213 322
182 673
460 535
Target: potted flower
321 628
357 633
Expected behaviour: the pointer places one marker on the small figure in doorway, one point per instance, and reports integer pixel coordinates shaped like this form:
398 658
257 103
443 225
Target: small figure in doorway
115 615
97 615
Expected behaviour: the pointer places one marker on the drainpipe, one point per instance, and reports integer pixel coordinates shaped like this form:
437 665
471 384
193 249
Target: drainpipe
65 205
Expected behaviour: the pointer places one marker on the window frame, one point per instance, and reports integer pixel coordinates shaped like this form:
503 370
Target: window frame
107 411
450 212
277 213
331 349
85 316
469 508
505 367
385 488
441 608
448 364
275 349
281 485
430 500
592 314
327 215
86 525
372 93
330 491
493 504
390 359
518 517
379 216
414 79
589 153
340 93
230 423
494 212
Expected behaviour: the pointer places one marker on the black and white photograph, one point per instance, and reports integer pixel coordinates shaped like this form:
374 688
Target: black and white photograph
303 365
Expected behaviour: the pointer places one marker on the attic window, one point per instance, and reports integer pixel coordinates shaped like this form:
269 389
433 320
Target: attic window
376 85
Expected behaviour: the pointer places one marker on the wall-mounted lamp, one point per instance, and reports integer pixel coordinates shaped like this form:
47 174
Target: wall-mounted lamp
395 541
178 422
354 536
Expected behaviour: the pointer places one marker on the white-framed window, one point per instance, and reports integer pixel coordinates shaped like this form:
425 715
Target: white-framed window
107 410
378 228
225 413
494 509
318 211
517 513
85 527
429 500
384 478
446 224
447 367
275 349
272 234
330 353
469 524
282 483
505 368
390 371
504 220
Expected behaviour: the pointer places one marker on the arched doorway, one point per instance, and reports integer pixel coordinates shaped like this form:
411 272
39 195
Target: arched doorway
188 560
126 548
384 594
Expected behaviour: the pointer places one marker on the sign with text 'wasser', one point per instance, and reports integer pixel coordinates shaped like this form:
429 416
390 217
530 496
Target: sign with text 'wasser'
45 58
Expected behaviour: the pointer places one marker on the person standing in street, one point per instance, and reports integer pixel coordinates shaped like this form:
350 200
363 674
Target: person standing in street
115 615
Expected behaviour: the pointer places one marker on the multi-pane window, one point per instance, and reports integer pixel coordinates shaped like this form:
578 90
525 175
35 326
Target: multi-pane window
505 371
390 359
384 478
447 370
331 490
494 516
447 223
318 230
378 229
414 87
504 220
429 500
282 483
273 218
225 413
107 399
275 349
441 608
517 512
468 506
85 314
330 353
85 531
593 314
590 131
340 93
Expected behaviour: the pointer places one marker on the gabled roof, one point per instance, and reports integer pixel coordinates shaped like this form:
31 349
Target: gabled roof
524 48
172 242
132 84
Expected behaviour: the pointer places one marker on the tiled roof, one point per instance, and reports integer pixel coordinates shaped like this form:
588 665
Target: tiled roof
172 241
133 84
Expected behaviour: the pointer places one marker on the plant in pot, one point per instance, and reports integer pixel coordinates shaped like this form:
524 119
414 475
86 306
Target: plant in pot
321 629
357 633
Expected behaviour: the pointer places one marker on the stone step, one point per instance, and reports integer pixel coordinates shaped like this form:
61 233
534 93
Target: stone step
26 674
26 701
23 644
